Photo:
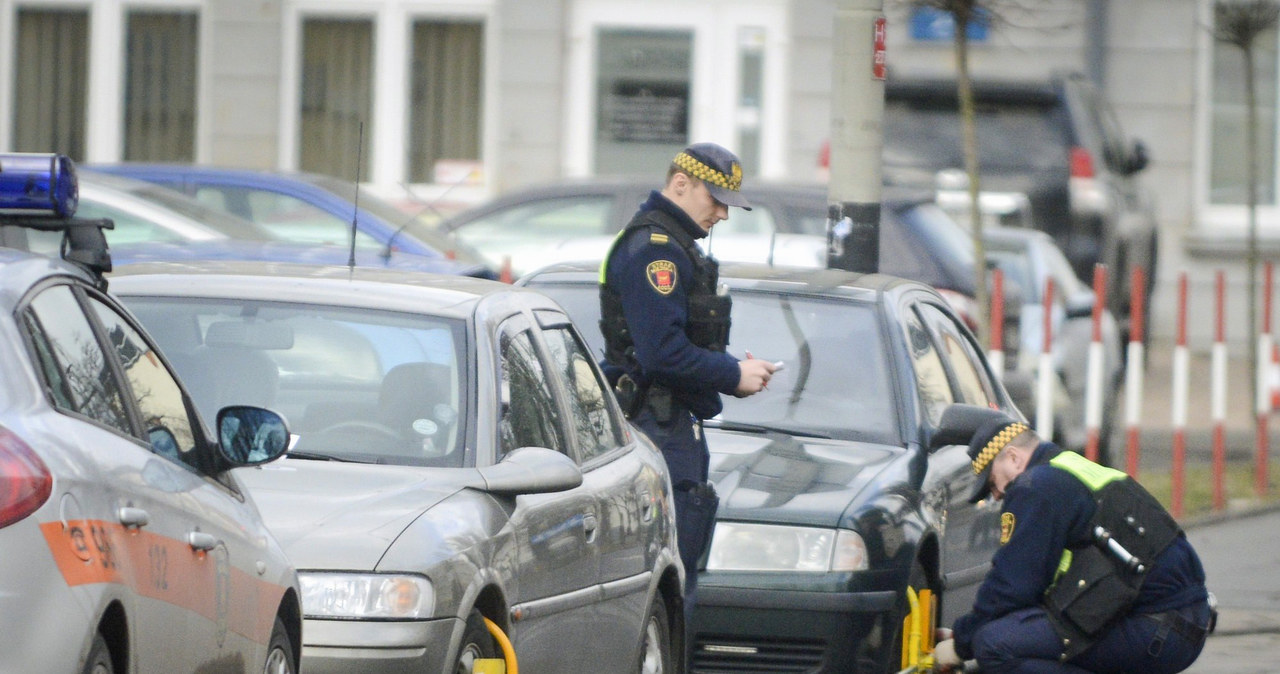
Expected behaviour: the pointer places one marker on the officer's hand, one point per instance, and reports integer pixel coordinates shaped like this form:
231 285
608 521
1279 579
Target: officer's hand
944 654
753 376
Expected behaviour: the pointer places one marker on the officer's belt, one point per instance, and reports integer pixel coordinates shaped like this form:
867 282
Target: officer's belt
1175 621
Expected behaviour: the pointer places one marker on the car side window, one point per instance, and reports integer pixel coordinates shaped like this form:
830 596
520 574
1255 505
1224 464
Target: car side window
128 228
975 388
546 219
287 217
166 423
931 375
72 363
758 221
594 423
527 416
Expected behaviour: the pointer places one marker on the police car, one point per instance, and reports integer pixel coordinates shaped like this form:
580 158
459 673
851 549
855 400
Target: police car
128 545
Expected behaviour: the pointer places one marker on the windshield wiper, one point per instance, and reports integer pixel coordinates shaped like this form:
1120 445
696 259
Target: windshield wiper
317 456
763 429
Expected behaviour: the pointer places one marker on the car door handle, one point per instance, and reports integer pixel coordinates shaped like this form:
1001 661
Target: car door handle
198 540
589 524
647 506
133 517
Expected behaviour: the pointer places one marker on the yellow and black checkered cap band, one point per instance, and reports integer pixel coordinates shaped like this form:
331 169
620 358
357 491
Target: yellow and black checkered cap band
995 444
694 167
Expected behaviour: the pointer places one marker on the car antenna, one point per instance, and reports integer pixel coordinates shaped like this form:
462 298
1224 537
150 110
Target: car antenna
355 202
430 205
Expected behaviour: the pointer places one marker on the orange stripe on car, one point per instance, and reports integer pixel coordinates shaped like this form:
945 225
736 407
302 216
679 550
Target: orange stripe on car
162 568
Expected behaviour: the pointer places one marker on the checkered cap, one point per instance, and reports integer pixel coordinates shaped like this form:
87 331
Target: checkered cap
718 168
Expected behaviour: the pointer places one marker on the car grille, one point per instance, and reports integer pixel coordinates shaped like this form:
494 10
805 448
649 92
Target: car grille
714 654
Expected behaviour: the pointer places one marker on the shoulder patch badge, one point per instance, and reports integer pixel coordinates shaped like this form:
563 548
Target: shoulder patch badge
662 276
1006 527
659 239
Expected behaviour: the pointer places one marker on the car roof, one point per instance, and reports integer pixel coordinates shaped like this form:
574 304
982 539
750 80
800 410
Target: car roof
759 277
19 270
394 290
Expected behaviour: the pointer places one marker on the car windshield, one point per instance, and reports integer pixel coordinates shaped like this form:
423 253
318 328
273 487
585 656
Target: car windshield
836 380
354 384
1011 136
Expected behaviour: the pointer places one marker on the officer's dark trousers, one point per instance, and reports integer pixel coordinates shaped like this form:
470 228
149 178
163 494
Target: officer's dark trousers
1024 641
685 449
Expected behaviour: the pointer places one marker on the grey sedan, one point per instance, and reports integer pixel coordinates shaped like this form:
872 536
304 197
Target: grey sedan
459 474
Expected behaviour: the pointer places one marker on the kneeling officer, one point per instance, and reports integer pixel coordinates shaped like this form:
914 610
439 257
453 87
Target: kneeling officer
1093 575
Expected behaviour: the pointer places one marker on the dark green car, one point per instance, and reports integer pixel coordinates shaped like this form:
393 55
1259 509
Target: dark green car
832 499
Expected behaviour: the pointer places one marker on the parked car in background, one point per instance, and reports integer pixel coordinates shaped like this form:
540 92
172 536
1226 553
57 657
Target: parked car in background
1057 141
305 207
578 220
1030 258
456 457
787 224
129 543
834 498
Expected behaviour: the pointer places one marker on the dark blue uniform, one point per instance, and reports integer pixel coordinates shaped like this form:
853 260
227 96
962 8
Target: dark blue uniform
1046 510
654 278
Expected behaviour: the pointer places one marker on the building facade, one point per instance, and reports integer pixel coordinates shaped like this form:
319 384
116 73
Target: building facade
456 100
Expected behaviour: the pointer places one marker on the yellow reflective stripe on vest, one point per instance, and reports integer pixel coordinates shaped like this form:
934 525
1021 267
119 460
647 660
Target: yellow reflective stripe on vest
1094 476
1063 564
604 264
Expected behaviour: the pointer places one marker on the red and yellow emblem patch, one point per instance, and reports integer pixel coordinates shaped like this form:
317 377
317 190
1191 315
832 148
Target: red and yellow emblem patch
662 276
1006 527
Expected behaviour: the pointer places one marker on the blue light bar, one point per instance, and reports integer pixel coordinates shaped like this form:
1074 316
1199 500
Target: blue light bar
33 184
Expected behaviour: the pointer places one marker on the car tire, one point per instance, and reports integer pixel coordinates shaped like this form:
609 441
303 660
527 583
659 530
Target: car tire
655 644
99 660
918 580
477 644
280 651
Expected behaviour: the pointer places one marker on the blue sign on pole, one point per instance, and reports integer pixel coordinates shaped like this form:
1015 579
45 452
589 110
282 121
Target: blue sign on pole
930 24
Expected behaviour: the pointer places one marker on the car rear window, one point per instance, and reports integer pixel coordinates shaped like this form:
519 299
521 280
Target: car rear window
1011 135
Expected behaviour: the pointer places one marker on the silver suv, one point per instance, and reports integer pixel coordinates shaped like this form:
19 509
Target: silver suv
1055 140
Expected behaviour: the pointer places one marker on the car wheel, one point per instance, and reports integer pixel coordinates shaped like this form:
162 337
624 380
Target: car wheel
280 651
477 644
655 650
918 580
99 660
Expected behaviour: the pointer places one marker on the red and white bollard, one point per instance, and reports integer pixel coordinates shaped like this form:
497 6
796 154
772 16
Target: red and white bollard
1179 410
995 355
1260 468
1045 373
1218 392
1093 374
1133 372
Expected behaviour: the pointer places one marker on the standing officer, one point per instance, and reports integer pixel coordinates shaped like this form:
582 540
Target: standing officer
665 321
1093 574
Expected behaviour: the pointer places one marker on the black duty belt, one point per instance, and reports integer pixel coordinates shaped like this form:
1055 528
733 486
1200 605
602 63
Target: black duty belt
1173 620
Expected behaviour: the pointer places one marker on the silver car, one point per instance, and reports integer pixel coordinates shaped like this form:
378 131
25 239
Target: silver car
459 474
126 542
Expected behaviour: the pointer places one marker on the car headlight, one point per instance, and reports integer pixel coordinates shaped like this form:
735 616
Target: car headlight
739 546
355 596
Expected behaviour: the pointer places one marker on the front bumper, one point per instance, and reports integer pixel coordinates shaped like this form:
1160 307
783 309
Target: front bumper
740 629
384 647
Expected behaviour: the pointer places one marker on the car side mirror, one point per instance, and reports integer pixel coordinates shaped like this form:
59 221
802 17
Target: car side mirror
1137 159
530 470
249 436
959 422
1080 305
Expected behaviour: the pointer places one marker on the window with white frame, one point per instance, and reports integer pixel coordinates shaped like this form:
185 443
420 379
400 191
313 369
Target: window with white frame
336 96
51 81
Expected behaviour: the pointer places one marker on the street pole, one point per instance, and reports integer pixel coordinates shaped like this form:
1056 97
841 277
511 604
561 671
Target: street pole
857 109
